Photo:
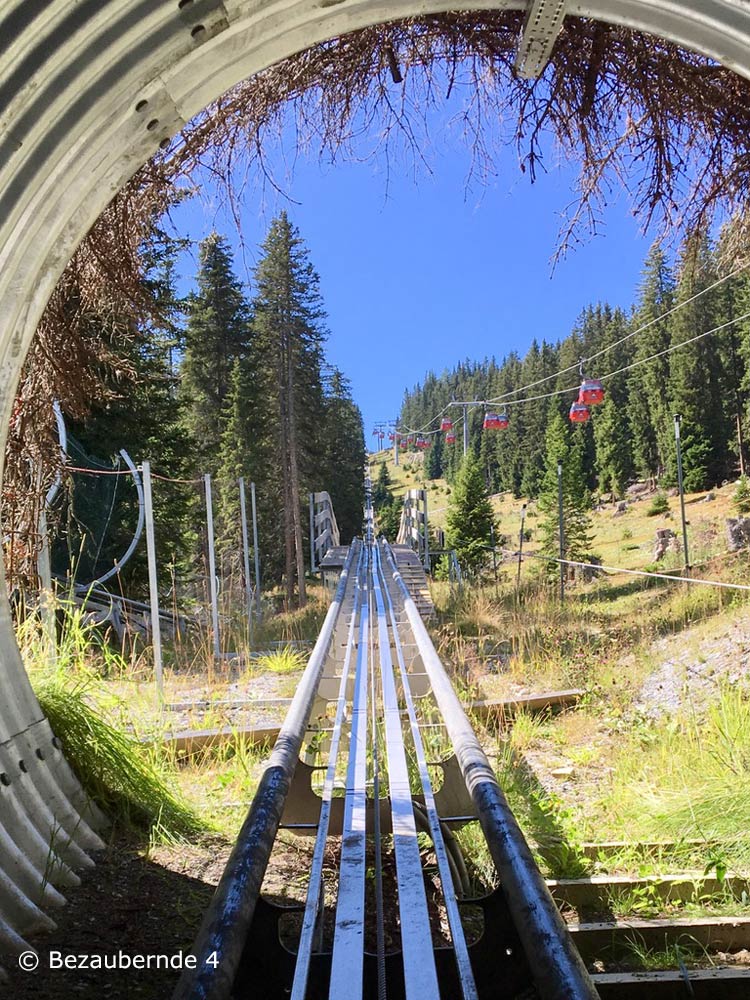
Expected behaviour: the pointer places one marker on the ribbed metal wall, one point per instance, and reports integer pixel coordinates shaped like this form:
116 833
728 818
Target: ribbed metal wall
88 90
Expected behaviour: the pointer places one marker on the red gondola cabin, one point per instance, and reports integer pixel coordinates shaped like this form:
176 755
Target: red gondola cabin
450 438
579 412
591 392
495 421
446 424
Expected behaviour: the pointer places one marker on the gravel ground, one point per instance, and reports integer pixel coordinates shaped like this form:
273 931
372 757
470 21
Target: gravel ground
694 664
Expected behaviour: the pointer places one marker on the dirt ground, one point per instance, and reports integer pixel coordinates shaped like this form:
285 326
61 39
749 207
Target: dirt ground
132 902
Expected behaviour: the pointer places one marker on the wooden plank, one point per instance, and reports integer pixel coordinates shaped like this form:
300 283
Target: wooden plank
725 983
594 891
595 850
528 703
608 937
192 741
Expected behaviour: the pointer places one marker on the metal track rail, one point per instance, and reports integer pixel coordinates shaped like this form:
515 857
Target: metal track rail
377 802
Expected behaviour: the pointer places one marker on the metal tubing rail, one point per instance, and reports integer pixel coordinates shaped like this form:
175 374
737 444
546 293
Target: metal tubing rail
348 957
221 939
420 974
458 938
558 969
315 888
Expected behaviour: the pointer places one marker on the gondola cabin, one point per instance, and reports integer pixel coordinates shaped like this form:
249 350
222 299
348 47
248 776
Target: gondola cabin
579 412
446 424
450 438
591 392
493 422
422 443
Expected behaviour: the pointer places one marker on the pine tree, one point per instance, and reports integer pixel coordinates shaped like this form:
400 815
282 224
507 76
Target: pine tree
647 405
433 465
286 356
217 334
565 445
382 494
234 460
613 460
471 520
141 414
344 456
697 375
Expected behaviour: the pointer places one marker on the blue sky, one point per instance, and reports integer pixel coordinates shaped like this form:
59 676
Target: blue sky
419 272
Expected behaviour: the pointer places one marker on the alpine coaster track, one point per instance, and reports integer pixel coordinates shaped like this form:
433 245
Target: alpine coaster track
374 704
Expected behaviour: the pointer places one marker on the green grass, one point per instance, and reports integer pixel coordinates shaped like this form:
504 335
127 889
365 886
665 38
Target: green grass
120 774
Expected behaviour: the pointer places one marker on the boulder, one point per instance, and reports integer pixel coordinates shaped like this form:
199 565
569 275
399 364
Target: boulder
738 533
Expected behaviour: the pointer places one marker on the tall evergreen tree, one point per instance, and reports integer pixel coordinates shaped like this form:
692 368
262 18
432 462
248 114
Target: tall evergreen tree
288 334
217 334
565 445
697 376
647 403
470 520
344 456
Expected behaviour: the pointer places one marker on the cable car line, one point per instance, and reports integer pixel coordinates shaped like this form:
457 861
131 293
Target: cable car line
508 396
617 371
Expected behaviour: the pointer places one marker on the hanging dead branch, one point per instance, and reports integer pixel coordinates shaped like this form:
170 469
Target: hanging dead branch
671 126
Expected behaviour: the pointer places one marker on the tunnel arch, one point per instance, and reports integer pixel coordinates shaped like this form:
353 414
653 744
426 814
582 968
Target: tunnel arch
88 91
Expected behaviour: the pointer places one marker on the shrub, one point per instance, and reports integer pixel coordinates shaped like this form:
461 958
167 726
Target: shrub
659 505
741 496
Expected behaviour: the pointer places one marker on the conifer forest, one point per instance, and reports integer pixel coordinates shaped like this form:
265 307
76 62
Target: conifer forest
682 348
233 382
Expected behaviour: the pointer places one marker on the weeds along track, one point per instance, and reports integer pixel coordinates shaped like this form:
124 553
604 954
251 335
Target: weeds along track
377 771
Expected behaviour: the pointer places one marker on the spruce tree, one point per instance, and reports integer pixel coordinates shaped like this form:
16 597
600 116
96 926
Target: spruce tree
344 456
697 377
471 520
288 334
382 494
142 414
612 438
216 335
647 403
565 445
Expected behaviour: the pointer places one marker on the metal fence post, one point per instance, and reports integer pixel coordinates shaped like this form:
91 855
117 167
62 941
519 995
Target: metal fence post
312 533
426 534
246 557
520 551
152 578
678 443
256 553
562 529
466 429
47 597
212 567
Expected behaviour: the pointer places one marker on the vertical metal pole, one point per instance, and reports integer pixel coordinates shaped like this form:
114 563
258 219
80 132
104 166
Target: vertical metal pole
561 517
47 597
494 555
678 443
246 556
312 534
520 551
152 579
256 553
466 429
212 567
395 447
426 535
